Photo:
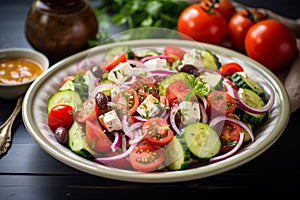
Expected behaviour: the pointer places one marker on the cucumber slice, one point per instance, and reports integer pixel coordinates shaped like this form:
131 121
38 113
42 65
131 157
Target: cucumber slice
77 141
68 85
253 100
210 60
202 140
177 155
242 81
68 97
213 80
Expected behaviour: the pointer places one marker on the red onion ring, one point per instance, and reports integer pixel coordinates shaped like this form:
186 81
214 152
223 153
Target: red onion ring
218 119
260 110
231 152
136 62
174 110
117 141
152 57
119 156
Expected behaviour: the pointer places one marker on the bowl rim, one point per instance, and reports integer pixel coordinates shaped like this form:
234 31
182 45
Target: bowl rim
45 65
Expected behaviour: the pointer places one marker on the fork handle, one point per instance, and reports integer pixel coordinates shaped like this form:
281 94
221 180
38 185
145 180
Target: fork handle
5 129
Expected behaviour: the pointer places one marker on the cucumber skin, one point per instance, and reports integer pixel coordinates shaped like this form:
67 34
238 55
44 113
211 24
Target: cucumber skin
241 82
248 117
69 97
76 137
182 161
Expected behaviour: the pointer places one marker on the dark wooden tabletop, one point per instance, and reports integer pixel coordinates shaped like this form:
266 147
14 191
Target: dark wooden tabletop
28 172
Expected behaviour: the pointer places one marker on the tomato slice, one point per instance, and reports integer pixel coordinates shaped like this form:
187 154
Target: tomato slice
230 136
228 69
233 85
87 111
126 101
61 115
174 53
115 61
144 87
221 102
121 163
146 158
156 131
178 91
96 137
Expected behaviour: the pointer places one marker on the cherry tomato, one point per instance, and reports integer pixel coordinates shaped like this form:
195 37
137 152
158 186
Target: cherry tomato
229 136
146 158
87 111
178 91
115 61
96 137
221 102
61 115
144 87
126 101
156 131
271 43
224 7
174 53
228 69
201 25
239 25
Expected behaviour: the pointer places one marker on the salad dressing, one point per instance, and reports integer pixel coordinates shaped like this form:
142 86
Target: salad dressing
18 70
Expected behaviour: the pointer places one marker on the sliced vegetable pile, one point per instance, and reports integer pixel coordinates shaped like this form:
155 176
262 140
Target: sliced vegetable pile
154 110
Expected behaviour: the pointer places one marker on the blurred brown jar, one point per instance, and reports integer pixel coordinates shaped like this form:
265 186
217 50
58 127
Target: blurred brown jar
59 28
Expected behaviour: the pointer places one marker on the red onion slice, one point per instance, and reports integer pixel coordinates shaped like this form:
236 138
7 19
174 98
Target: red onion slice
218 119
119 156
153 57
174 110
231 152
260 110
117 141
136 62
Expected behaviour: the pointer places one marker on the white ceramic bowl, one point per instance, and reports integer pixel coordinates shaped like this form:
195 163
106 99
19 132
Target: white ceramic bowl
15 90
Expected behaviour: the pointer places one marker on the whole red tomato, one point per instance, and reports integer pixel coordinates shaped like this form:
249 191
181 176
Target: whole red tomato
271 43
61 115
202 25
224 7
239 25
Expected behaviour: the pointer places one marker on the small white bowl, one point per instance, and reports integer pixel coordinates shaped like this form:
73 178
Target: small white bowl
15 90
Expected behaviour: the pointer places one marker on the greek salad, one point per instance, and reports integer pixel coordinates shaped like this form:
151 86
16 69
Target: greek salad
158 110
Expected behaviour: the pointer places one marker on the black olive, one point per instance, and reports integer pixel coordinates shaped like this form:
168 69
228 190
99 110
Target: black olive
188 68
96 71
61 135
101 100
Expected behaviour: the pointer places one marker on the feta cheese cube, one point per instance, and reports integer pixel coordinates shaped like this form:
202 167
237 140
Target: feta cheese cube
190 112
121 73
156 63
110 121
149 107
193 58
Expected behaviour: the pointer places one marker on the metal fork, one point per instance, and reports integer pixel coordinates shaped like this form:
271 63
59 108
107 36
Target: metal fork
5 128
